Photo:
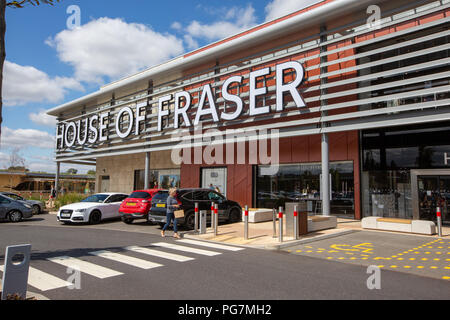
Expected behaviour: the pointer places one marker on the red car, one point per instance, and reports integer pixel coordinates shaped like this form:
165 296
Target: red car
137 205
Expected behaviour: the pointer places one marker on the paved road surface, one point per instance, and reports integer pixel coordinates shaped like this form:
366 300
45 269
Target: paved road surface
128 265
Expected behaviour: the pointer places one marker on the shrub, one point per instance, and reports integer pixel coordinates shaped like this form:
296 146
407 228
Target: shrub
68 198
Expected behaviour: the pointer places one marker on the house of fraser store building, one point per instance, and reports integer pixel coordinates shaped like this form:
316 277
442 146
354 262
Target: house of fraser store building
367 103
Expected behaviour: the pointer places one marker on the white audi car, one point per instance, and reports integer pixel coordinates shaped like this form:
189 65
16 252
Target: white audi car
93 209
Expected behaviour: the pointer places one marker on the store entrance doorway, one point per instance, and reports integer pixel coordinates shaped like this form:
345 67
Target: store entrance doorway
432 190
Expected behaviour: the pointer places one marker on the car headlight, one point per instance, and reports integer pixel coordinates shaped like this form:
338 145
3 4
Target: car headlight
27 206
81 210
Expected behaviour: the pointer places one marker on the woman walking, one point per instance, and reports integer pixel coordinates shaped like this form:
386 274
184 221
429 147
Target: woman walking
172 205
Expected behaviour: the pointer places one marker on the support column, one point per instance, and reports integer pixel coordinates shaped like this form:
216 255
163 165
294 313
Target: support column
58 170
325 176
147 171
325 183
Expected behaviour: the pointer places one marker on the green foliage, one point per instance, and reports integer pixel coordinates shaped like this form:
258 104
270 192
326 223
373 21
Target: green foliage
72 171
68 198
21 3
92 172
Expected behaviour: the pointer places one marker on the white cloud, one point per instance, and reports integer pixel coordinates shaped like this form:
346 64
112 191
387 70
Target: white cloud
23 138
26 84
279 8
190 42
236 19
43 119
113 48
176 25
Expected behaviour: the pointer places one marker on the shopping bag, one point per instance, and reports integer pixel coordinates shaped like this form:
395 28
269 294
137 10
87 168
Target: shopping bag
179 214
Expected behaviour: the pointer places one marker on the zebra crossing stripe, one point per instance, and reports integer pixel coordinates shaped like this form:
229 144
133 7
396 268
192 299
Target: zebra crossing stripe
86 267
43 281
210 245
135 262
186 249
160 254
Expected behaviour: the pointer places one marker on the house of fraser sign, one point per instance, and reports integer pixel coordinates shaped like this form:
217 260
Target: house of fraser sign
94 129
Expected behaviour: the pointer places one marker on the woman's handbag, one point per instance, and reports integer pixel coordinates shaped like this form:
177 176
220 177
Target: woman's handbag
179 214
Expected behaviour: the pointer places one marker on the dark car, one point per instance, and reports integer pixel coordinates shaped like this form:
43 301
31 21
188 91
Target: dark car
229 211
14 210
137 205
36 206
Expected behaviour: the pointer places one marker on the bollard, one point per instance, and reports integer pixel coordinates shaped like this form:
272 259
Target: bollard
295 223
203 214
280 218
246 223
274 216
15 274
196 217
439 221
216 219
212 215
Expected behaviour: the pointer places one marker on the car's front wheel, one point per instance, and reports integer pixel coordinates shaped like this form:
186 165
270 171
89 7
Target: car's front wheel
15 216
95 218
235 215
127 220
36 210
189 220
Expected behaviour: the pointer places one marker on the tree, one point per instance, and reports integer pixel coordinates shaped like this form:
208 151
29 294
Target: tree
72 171
3 5
16 161
92 173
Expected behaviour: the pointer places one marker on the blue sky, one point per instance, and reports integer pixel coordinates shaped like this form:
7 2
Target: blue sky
48 64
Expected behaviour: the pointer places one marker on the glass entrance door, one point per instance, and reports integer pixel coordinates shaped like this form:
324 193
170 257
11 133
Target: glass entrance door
444 187
434 191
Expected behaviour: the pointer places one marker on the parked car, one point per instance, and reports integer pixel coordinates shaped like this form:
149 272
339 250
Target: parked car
137 205
93 209
36 206
229 210
14 210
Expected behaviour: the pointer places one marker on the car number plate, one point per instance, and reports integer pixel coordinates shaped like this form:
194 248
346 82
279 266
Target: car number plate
161 205
65 215
132 204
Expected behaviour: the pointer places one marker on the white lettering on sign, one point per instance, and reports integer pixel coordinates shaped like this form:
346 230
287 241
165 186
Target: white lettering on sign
446 158
96 128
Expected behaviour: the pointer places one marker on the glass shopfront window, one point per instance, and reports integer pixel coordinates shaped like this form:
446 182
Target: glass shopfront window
389 155
162 179
295 182
387 194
